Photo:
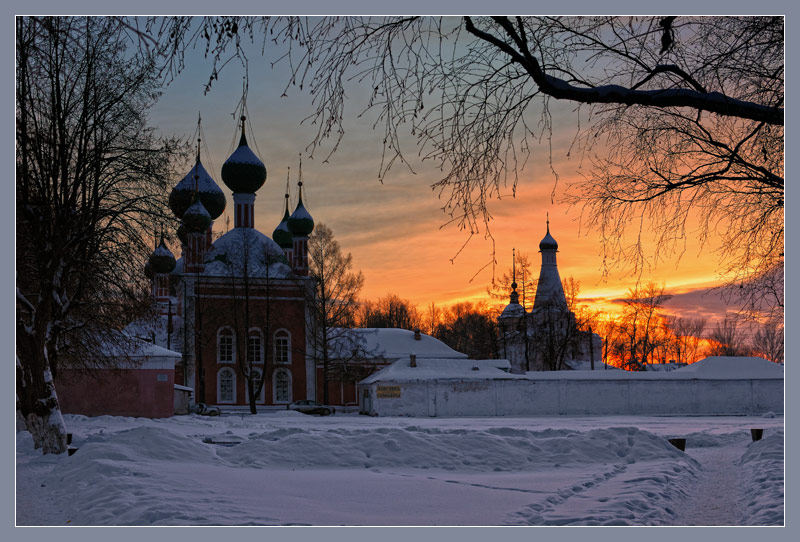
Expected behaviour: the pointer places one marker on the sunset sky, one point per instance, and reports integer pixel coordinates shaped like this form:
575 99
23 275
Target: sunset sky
394 230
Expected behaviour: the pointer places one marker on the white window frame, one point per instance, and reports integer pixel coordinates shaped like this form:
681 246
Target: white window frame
255 332
275 386
260 398
228 332
288 337
220 400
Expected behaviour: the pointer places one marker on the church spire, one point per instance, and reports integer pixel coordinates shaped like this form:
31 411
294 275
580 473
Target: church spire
514 297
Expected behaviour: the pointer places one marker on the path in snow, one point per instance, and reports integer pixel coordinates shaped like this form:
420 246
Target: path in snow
715 497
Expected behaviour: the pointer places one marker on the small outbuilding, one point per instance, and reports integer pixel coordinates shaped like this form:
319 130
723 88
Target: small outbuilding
134 378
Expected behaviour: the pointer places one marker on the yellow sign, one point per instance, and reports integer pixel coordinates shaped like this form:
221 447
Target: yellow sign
388 392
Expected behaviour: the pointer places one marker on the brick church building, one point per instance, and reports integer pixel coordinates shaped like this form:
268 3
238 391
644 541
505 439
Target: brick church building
234 306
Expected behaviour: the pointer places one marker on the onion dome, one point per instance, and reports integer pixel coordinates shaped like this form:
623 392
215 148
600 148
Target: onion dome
162 260
148 270
196 218
211 194
300 223
183 234
548 243
282 235
243 172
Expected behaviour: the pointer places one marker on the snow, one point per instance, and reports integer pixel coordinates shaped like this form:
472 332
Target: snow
243 155
284 468
732 367
228 254
205 183
394 343
513 310
301 213
132 347
581 365
162 250
428 369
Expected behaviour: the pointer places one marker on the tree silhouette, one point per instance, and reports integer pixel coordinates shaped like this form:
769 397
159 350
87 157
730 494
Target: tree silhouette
90 179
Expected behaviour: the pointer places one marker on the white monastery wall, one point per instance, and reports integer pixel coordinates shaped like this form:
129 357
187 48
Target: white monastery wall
534 397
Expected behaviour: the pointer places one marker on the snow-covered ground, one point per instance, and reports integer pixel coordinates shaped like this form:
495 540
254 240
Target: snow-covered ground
285 468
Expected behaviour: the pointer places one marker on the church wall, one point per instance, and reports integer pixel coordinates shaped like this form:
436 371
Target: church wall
287 312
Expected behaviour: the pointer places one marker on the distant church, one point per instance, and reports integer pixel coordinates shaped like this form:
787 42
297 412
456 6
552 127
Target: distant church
547 338
236 308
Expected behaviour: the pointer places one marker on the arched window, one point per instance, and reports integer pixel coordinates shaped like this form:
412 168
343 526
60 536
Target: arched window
283 353
282 386
254 382
255 346
226 351
226 386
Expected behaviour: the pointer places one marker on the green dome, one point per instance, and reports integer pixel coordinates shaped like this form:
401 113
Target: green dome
300 223
211 194
243 172
282 235
183 234
196 218
161 260
148 270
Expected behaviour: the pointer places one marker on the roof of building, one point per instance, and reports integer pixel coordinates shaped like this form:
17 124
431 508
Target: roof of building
432 368
282 235
548 242
128 346
210 193
394 343
228 255
300 222
243 172
732 367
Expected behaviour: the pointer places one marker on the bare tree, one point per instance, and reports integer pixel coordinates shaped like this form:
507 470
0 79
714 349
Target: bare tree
639 332
90 176
679 116
686 335
432 318
526 282
727 339
389 311
333 303
768 340
469 328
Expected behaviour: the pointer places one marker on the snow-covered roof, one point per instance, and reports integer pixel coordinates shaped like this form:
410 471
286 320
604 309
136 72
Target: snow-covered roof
243 155
585 365
205 183
513 310
732 367
430 369
125 345
394 343
155 329
228 254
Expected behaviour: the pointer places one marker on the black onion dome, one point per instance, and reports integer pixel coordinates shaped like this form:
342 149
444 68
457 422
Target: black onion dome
243 172
211 194
196 218
548 243
282 235
300 223
183 234
148 269
162 260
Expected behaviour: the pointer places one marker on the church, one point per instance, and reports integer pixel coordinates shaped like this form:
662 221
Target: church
234 306
548 337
